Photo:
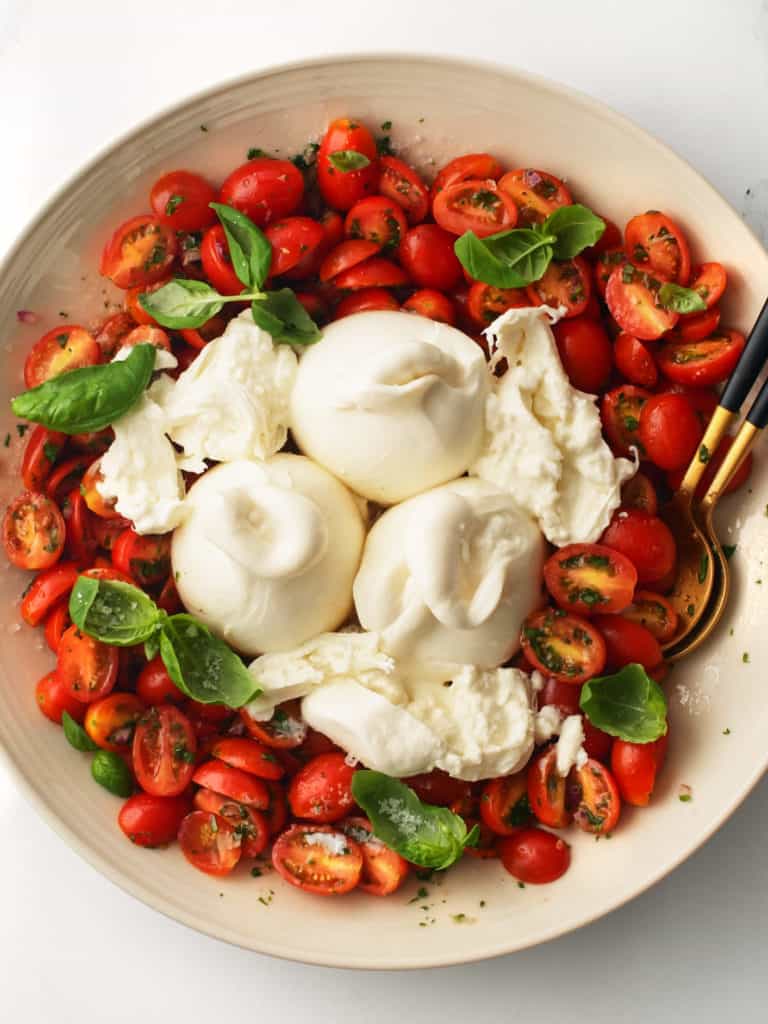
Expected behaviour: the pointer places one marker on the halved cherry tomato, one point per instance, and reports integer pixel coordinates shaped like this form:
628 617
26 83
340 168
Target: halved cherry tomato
546 790
639 492
607 262
94 443
56 623
152 820
375 272
535 193
534 856
635 767
504 804
86 666
232 782
155 686
597 744
401 183
670 430
40 455
106 531
345 256
675 478
332 224
68 347
106 572
437 787
146 334
567 647
654 242
144 558
384 870
100 506
563 696
283 731
654 612
427 254
111 333
565 283
646 541
701 363
321 791
134 308
318 859
33 531
698 326
181 199
474 205
277 812
620 411
585 352
296 244
66 475
342 189
477 166
81 543
485 303
54 698
209 843
217 263
249 756
709 280
264 189
634 361
46 589
110 722
587 578
365 300
249 824
626 641
378 219
432 304
599 803
164 747
632 299
139 252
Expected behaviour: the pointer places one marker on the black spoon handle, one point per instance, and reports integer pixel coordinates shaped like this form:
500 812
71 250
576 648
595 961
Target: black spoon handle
748 368
758 414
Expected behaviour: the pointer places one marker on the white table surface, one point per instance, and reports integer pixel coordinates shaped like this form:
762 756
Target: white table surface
74 947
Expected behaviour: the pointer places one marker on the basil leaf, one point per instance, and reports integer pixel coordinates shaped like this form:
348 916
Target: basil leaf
346 160
249 248
91 398
432 837
575 227
204 667
628 704
76 735
680 300
114 612
182 303
111 772
510 259
283 316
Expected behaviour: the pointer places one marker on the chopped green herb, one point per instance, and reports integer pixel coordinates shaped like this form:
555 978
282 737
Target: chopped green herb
726 732
172 204
255 152
745 657
482 903
421 894
704 454
22 428
685 798
256 872
386 126
521 885
50 451
728 550
7 440
691 609
203 128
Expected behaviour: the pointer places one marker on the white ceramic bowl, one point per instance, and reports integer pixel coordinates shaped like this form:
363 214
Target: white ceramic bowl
439 108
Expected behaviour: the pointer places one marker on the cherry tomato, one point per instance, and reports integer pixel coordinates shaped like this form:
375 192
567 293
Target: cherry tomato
40 455
86 666
563 696
217 263
646 541
283 731
698 326
670 430
346 255
277 812
485 303
146 334
639 492
587 578
634 361
432 304
296 244
154 685
249 756
378 219
33 531
626 642
504 804
375 272
585 352
546 790
46 589
168 598
342 189
567 647
94 443
164 747
249 824
535 857
133 306
401 183
144 558
152 820
332 224
620 411
54 698
56 623
597 743
654 612
384 870
599 803
68 347
100 506
632 299
427 254
471 166
437 787
210 843
110 722
365 300
232 782
321 791
656 243
181 200
264 189
139 252
635 767
318 859
565 283
675 478
66 476
607 261
111 333
80 546
701 363
535 193
474 205
709 280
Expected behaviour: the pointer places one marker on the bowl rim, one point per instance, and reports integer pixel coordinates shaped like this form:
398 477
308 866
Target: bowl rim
45 809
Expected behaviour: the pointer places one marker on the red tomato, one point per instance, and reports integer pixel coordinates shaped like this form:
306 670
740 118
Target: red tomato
627 642
68 347
366 300
709 280
94 443
634 361
134 308
346 255
146 334
217 263
86 666
607 262
341 189
432 304
111 333
232 782
375 272
597 743
535 193
321 791
277 812
332 224
485 302
105 572
110 722
401 183
675 478
427 254
283 731
504 804
599 803
655 243
535 857
378 219
264 189
474 205
152 820
40 454
564 696
249 756
620 411
585 352
139 252
384 870
586 578
169 599
646 541
437 787
324 866
144 558
698 326
100 506
209 843
46 589
54 698
565 283
314 303
155 686
81 543
249 824
670 430
639 492
635 767
164 747
296 243
546 790
33 531
66 475
654 612
56 624
477 166
701 363
631 296
564 646
181 200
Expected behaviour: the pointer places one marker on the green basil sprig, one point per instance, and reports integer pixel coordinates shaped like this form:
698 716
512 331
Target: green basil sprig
90 398
76 735
628 704
432 837
111 772
680 300
516 258
346 160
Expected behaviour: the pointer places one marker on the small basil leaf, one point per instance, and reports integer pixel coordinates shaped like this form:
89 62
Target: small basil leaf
680 300
628 704
114 612
346 160
91 398
152 646
182 303
432 837
249 248
575 227
76 735
204 667
283 316
111 772
510 259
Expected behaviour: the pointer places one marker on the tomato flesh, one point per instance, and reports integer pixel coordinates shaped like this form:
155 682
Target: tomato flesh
365 300
68 347
701 363
33 531
140 251
164 747
402 184
646 541
654 612
40 454
599 803
485 303
504 804
384 870
142 557
654 242
378 219
87 666
585 578
474 205
432 304
232 782
536 194
632 299
283 731
620 411
318 859
567 647
546 790
322 791
249 824
249 756
480 166
110 722
566 283
210 843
